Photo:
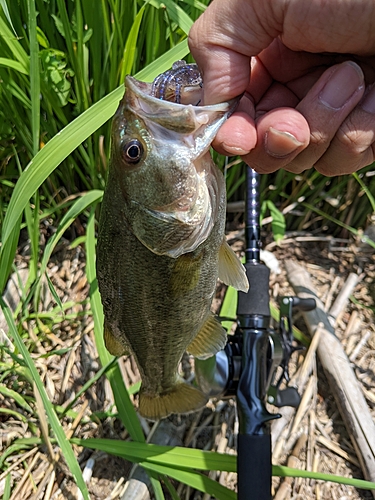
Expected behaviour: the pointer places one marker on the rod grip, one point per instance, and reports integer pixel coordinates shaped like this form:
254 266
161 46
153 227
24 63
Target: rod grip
254 467
256 300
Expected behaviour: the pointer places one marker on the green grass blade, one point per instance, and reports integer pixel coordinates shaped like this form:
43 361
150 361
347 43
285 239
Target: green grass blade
164 455
190 459
229 307
171 489
18 445
9 393
131 46
4 6
158 490
365 189
7 254
175 12
34 75
195 480
339 223
14 414
10 63
54 294
61 145
81 204
280 470
62 440
88 384
14 45
7 490
278 221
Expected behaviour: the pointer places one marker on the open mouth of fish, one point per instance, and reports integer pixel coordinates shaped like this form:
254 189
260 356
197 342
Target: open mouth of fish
171 111
173 99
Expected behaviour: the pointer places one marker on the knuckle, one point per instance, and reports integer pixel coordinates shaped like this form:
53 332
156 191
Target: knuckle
354 140
319 140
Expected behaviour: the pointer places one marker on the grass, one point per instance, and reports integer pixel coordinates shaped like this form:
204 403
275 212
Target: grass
62 69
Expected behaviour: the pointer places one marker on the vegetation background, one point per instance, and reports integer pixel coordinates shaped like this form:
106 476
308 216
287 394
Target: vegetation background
62 68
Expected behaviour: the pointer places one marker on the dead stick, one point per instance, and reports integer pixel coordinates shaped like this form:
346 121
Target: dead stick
295 462
343 297
341 378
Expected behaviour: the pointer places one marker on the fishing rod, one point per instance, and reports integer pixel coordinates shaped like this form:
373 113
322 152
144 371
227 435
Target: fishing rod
255 361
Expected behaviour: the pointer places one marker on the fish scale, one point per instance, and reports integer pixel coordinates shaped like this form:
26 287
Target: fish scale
157 265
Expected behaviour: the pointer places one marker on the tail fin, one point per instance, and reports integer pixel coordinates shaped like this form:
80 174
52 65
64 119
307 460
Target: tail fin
182 398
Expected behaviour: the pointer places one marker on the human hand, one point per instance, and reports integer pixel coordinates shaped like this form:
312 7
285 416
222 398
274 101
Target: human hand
309 100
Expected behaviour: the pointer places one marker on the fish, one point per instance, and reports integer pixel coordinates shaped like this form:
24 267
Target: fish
161 243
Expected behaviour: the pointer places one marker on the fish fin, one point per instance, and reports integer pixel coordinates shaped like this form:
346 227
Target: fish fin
231 271
210 339
182 398
113 345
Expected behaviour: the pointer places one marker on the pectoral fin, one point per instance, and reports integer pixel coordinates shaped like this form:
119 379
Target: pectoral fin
210 339
112 344
231 271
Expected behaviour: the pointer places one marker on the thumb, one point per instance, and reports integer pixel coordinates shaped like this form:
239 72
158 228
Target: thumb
223 40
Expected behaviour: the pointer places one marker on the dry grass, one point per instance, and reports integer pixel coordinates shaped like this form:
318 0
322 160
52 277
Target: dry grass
315 439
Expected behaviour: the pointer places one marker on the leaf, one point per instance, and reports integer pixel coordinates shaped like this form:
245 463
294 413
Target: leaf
280 470
164 455
365 189
195 480
15 47
62 440
7 254
278 221
62 144
131 45
9 393
54 294
174 462
10 63
174 458
4 5
6 494
176 13
14 413
34 75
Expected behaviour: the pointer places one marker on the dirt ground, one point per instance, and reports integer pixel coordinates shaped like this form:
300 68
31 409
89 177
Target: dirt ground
315 438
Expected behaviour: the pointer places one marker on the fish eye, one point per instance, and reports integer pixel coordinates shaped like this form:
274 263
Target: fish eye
133 151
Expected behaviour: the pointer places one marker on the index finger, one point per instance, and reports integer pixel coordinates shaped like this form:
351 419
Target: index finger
223 40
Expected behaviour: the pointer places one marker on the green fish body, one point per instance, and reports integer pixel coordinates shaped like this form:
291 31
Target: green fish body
161 243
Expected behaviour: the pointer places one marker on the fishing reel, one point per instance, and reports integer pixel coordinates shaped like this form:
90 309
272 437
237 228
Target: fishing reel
255 361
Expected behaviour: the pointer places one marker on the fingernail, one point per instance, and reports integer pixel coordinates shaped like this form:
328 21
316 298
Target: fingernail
343 83
280 144
368 103
234 150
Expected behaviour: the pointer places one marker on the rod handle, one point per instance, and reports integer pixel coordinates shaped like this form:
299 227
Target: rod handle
254 467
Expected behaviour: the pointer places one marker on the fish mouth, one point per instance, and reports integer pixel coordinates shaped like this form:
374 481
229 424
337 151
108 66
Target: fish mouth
184 117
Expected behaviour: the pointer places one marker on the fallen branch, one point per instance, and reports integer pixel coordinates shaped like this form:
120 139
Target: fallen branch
341 378
343 297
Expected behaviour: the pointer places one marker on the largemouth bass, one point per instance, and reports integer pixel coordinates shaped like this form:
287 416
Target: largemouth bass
161 244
